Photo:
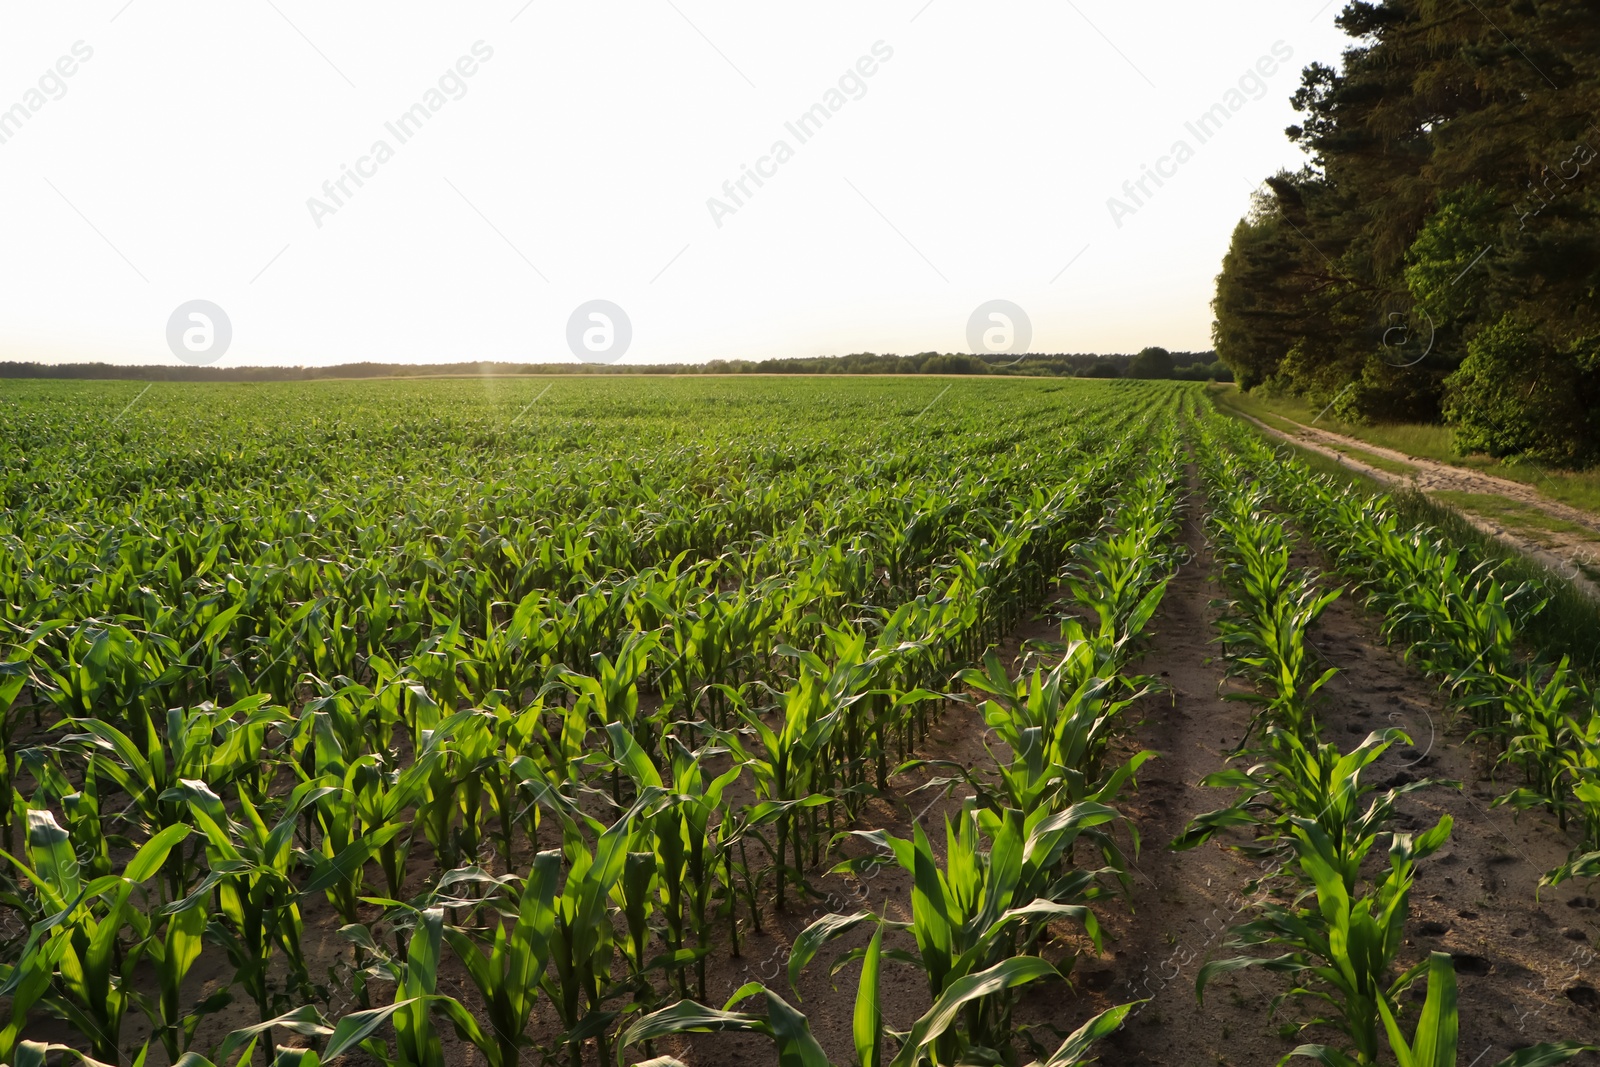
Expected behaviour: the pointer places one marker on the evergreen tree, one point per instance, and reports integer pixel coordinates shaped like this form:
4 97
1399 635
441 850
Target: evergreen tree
1444 240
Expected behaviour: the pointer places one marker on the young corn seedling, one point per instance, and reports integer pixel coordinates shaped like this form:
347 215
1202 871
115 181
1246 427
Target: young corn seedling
1342 952
15 675
980 912
789 1029
173 955
250 872
583 938
697 800
685 858
75 961
416 1040
1299 783
1435 1040
510 975
787 760
150 770
1058 726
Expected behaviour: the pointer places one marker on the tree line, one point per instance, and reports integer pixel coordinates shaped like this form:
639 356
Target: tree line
1438 257
1149 363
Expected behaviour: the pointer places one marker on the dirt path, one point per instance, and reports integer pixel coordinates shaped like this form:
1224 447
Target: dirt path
1573 554
1183 901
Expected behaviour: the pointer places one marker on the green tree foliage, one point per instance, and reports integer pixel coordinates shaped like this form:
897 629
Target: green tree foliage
1512 395
1151 362
1453 180
1034 365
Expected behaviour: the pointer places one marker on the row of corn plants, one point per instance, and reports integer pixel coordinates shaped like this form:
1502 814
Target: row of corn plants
981 914
1334 918
1458 622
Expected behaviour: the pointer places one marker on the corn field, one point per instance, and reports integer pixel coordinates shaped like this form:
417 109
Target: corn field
424 724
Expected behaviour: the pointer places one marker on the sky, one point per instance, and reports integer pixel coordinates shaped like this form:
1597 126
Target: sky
425 183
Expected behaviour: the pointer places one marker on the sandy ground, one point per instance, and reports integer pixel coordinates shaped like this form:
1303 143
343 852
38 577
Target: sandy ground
1575 555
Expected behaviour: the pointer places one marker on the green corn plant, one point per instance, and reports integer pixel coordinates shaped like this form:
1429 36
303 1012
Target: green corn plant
983 908
15 675
1581 761
494 779
561 754
149 765
436 808
250 876
936 1038
517 655
583 938
1123 578
1265 629
416 1039
444 667
363 813
384 801
1057 727
1434 1042
75 961
1540 727
443 777
173 955
510 974
1341 952
1074 1051
796 1047
613 695
711 640
486 784
786 760
1299 783
689 868
237 1049
788 1028
107 671
79 807
866 1021
658 873
37 1054
635 895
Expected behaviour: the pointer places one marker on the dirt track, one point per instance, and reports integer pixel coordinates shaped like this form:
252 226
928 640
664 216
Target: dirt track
1572 555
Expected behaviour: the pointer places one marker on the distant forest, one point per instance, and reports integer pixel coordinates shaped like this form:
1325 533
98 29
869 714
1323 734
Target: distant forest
1149 363
1439 258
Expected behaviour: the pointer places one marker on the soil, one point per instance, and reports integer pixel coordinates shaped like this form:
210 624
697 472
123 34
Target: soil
1574 554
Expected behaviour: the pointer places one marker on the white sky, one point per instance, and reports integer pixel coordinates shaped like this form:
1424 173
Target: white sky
178 163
